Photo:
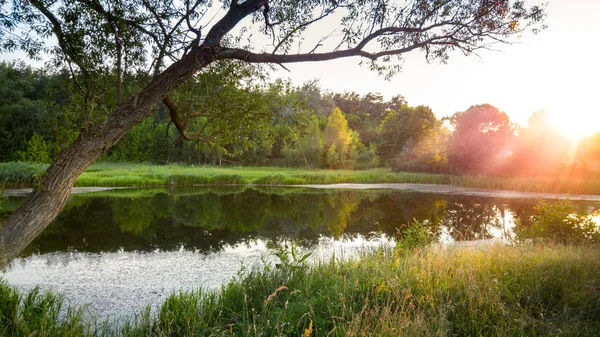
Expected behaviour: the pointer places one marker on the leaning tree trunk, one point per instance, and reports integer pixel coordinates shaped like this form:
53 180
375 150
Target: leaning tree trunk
50 196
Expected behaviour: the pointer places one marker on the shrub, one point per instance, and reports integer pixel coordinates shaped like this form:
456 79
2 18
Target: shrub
37 150
561 223
417 235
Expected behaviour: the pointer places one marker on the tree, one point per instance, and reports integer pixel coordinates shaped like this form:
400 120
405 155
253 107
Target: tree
311 145
127 56
429 154
588 149
34 102
21 109
479 142
365 113
404 126
540 148
337 139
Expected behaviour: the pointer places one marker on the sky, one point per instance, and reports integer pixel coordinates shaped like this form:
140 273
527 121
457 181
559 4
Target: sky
557 70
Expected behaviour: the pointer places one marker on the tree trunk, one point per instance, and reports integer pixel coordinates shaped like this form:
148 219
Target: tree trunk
49 197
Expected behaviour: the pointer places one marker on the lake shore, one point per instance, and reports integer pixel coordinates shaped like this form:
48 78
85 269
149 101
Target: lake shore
421 188
459 190
23 175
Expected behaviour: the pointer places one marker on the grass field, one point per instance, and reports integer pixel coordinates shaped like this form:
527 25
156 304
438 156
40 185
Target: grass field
14 175
497 291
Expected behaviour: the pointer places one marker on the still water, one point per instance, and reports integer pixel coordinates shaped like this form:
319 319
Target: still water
119 251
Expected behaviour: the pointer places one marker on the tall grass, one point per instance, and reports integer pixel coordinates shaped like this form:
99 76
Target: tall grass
143 175
38 314
500 291
20 174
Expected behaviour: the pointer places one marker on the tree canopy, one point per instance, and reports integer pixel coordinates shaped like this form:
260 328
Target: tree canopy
480 139
403 126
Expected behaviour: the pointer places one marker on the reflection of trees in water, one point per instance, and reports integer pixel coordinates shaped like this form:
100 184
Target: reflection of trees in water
471 221
134 215
338 210
205 222
209 220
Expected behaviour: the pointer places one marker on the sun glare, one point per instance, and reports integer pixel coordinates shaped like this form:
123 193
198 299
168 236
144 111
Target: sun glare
574 123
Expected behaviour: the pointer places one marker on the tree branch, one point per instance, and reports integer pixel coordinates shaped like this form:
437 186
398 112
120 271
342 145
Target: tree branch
247 56
181 123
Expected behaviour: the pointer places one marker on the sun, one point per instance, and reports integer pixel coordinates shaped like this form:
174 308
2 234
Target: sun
574 122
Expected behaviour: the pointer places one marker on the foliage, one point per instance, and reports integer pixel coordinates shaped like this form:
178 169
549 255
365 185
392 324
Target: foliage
366 112
36 151
588 148
414 236
146 142
479 142
540 149
363 157
337 140
560 222
33 103
403 127
277 124
428 155
311 145
291 259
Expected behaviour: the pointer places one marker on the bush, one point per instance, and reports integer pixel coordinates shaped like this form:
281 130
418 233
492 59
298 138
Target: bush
561 223
37 150
417 235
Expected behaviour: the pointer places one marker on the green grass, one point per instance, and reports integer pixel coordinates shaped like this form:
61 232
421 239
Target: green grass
144 175
19 174
499 291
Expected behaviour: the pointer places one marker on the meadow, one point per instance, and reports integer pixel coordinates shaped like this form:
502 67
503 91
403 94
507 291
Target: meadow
549 290
18 174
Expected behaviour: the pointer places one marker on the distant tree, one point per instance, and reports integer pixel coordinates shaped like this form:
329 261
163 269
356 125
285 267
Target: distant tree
588 149
540 148
404 126
315 100
337 139
21 109
429 154
364 113
34 102
311 144
479 142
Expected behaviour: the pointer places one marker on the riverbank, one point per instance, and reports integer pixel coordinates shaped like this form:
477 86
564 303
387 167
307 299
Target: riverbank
421 188
496 291
20 175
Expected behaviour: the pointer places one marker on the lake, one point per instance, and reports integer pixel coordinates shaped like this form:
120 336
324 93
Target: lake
118 251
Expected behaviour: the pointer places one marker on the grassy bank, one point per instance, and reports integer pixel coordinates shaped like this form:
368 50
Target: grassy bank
499 291
138 175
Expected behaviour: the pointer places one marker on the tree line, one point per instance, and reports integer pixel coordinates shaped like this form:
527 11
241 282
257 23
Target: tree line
234 115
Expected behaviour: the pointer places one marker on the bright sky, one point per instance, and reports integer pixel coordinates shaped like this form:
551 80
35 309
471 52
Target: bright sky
558 69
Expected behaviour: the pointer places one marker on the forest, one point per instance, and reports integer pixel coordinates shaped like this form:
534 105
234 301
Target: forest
237 116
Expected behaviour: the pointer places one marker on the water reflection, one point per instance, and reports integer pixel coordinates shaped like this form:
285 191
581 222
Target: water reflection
207 219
